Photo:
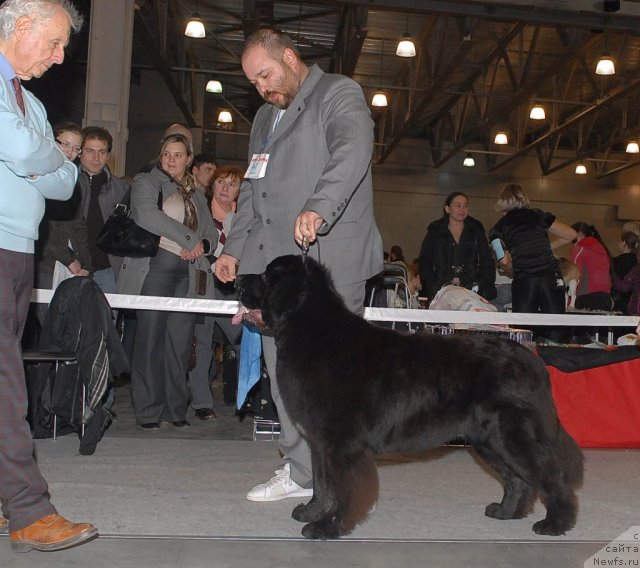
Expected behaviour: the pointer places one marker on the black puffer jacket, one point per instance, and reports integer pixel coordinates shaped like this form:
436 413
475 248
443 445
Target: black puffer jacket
440 255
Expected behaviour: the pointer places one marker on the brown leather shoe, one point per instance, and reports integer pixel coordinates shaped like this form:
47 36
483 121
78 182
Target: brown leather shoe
52 532
4 525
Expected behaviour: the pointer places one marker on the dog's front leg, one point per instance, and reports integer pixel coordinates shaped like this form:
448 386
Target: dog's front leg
321 501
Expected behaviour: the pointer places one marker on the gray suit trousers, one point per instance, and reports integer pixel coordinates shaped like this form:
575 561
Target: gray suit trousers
293 446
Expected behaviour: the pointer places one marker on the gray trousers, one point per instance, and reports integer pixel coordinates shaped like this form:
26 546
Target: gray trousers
162 346
199 377
23 491
293 446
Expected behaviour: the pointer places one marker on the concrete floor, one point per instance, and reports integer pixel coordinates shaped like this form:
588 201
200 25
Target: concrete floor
179 551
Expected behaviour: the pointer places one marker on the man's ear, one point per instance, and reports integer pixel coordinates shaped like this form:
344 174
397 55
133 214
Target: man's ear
289 57
24 25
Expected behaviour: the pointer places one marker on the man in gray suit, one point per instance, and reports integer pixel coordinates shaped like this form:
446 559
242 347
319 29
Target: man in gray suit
308 183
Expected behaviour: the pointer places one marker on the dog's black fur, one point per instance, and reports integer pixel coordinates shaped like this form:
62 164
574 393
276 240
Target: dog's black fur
354 390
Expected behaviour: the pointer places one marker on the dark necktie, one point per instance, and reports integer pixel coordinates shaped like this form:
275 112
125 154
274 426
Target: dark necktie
18 89
222 238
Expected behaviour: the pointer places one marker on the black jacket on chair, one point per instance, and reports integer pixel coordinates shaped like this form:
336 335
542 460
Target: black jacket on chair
440 255
79 320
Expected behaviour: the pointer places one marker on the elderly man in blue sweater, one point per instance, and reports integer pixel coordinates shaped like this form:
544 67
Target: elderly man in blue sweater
33 36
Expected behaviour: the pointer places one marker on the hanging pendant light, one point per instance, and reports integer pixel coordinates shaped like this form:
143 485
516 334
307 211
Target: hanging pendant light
380 99
195 27
501 138
537 112
581 169
468 161
632 147
224 117
213 86
605 65
406 47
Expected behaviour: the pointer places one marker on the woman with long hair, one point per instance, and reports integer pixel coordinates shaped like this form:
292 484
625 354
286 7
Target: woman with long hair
162 343
455 251
591 256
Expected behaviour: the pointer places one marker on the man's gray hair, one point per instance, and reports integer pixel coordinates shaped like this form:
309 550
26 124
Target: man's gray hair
39 10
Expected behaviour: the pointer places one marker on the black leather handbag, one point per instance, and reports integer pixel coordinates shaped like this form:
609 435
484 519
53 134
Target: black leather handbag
120 235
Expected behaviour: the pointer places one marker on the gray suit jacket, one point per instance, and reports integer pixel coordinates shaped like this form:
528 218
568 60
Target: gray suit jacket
319 160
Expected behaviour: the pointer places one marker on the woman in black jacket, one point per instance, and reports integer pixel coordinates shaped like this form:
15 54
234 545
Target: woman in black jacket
455 250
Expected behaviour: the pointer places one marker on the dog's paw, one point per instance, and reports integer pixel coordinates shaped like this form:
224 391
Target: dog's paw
328 528
307 513
496 511
549 528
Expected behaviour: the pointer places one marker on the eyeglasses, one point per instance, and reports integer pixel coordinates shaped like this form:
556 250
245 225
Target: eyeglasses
67 146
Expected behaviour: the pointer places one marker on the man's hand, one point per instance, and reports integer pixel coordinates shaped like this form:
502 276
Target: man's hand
75 268
305 227
226 268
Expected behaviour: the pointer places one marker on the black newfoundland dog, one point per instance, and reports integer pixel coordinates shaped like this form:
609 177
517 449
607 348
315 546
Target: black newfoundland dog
354 390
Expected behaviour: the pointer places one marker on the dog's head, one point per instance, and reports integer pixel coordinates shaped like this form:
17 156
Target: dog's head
268 298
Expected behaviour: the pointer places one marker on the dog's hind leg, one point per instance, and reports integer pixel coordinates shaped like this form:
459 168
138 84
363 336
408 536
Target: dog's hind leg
353 480
557 491
518 494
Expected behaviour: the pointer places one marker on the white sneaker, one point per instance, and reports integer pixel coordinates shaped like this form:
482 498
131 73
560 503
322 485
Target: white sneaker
280 486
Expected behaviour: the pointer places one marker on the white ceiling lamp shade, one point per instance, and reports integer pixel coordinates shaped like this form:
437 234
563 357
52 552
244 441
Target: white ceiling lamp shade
224 117
195 27
632 147
468 161
537 112
501 138
406 47
213 86
379 100
605 65
581 169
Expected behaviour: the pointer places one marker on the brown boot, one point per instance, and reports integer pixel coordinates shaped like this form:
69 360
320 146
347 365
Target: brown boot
4 525
52 532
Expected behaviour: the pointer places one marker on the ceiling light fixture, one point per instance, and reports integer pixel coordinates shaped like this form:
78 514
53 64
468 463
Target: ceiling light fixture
537 112
581 169
469 162
225 117
380 99
406 47
501 138
195 26
605 65
213 86
632 147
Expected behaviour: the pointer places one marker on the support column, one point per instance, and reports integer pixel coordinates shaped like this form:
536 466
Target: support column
109 74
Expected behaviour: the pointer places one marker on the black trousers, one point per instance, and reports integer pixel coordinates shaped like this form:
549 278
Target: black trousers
540 294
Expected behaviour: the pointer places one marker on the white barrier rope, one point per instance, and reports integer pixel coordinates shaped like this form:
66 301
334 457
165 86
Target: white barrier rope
226 307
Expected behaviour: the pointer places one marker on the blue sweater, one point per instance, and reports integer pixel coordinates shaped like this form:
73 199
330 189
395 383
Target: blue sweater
32 167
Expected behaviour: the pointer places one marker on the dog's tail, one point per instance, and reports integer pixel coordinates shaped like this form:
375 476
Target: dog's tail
362 492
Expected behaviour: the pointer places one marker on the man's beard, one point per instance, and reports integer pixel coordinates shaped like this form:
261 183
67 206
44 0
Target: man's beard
287 87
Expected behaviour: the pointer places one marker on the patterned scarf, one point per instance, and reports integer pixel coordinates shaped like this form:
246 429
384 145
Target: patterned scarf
187 188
